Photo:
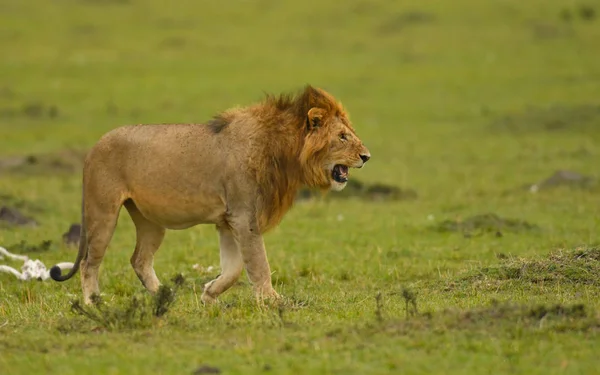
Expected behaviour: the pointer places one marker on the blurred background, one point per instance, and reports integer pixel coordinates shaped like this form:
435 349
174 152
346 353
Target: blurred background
458 101
407 71
483 121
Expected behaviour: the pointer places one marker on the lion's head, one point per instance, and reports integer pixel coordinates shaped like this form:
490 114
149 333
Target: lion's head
295 140
331 145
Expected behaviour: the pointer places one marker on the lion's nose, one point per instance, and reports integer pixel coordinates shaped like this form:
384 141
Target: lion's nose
365 157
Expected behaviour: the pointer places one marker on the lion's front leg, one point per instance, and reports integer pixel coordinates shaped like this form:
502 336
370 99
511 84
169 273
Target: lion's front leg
254 255
231 266
257 267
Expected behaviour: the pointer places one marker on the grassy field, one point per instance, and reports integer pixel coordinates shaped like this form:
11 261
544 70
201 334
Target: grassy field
463 103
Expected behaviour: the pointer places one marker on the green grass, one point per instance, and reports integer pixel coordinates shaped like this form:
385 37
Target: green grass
464 102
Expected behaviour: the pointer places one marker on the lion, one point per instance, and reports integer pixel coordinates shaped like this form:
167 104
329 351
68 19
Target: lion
239 171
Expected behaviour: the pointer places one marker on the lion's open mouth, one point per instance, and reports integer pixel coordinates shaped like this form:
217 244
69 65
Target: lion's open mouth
340 173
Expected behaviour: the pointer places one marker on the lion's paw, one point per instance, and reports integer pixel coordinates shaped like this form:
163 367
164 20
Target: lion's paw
267 295
207 299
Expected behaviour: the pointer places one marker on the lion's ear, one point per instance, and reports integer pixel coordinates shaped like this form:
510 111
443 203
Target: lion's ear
315 118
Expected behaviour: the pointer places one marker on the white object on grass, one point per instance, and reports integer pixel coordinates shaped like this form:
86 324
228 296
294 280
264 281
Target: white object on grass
31 269
199 268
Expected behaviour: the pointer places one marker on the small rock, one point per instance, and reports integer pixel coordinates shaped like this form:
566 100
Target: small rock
587 13
206 370
485 223
563 178
72 236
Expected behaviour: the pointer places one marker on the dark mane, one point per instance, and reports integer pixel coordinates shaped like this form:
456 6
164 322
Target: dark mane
217 124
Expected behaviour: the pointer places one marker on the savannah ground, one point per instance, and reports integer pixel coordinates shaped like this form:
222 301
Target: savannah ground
463 102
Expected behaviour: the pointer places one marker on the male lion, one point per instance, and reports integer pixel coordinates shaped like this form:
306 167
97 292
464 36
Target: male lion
240 171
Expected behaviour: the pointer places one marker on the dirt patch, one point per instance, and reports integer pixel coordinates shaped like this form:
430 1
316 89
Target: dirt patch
583 12
564 316
71 237
106 2
401 21
360 190
485 223
20 204
7 93
500 317
543 31
569 16
205 369
173 42
553 118
67 161
84 29
580 266
31 111
383 192
563 178
13 217
587 13
24 247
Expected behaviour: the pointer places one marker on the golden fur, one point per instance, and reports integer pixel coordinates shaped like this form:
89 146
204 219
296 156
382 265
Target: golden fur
240 171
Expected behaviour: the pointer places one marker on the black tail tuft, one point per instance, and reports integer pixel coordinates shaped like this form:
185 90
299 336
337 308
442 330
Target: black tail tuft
56 273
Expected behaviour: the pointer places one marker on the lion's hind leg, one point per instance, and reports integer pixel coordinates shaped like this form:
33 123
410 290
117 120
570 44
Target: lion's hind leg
232 265
149 237
100 220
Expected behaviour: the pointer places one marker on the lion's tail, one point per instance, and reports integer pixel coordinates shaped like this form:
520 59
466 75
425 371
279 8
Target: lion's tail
56 272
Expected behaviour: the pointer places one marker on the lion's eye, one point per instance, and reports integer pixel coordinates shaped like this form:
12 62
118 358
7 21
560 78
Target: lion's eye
343 137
